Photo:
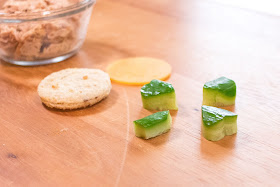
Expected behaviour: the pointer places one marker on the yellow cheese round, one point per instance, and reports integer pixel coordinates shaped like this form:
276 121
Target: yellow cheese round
138 70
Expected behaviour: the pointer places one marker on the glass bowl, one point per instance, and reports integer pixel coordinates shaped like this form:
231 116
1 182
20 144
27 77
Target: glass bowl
37 32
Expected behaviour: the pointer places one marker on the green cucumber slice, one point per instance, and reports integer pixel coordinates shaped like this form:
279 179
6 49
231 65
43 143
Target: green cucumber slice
159 95
217 123
153 125
219 92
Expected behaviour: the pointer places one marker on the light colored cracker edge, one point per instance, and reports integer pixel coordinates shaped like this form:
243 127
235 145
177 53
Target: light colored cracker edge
71 106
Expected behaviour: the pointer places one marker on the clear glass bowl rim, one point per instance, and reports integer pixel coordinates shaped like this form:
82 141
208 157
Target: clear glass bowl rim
46 15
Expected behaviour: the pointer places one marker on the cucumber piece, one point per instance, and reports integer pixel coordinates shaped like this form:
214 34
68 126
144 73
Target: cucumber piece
159 95
219 92
217 123
153 125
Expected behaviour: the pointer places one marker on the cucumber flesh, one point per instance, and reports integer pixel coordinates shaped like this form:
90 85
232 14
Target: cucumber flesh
217 123
153 125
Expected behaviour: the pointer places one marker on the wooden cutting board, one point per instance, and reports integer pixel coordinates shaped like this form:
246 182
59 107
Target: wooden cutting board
96 146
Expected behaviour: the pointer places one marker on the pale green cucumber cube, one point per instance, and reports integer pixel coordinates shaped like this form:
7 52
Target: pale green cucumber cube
217 123
219 92
159 95
153 125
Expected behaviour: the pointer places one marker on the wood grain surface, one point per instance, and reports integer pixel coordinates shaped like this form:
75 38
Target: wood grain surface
96 146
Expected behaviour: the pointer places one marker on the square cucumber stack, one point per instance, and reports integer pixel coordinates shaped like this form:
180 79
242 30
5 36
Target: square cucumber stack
153 125
159 95
219 93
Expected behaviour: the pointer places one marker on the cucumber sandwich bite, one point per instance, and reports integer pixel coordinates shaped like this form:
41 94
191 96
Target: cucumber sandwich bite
220 92
159 95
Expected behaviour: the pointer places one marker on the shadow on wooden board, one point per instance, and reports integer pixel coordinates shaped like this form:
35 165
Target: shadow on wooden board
218 150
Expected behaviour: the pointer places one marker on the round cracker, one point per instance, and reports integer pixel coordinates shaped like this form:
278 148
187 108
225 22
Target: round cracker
74 88
139 70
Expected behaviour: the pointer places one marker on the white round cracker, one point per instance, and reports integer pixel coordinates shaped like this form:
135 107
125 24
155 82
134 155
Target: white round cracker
74 88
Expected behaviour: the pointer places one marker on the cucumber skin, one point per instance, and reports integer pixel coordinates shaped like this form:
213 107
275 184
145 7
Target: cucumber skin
217 123
156 87
220 92
152 126
225 86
